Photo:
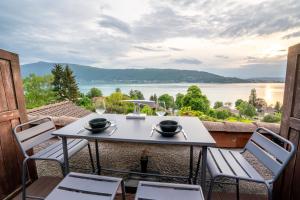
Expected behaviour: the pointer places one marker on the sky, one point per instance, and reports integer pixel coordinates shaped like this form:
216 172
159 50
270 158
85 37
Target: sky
239 38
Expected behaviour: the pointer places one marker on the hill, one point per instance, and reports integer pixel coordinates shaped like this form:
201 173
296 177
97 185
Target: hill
102 75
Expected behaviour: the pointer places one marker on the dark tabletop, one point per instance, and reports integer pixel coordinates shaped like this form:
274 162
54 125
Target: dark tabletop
133 130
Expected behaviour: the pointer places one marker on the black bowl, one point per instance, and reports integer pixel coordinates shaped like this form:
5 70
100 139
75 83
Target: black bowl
168 125
168 134
98 123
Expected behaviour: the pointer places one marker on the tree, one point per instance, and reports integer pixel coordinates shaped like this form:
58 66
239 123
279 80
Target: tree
153 98
253 97
94 92
278 107
38 90
246 109
70 85
218 104
222 113
114 103
272 118
64 83
147 110
228 104
136 94
86 102
168 99
178 101
195 99
238 102
58 74
118 90
260 104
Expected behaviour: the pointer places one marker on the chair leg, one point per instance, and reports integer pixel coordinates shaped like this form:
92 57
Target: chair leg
91 158
123 190
270 190
24 175
210 188
237 189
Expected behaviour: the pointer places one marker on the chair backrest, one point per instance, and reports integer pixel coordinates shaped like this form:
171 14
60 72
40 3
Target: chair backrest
33 136
272 155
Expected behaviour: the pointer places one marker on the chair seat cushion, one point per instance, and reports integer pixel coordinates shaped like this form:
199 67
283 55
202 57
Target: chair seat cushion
55 151
228 163
77 186
168 191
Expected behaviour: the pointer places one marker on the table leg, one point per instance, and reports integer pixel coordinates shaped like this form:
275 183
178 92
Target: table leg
203 167
191 165
97 157
66 156
197 167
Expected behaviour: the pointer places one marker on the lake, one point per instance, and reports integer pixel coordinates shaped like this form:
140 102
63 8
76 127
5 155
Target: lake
271 92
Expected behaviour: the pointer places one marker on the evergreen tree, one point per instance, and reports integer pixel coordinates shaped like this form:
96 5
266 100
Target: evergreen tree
70 85
253 97
278 107
58 74
153 98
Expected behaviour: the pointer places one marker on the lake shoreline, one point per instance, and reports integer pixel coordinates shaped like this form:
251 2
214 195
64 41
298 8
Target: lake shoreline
226 92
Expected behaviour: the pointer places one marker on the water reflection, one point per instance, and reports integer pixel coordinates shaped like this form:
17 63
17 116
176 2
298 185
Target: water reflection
271 92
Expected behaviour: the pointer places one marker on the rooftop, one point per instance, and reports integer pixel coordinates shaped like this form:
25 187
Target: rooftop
61 109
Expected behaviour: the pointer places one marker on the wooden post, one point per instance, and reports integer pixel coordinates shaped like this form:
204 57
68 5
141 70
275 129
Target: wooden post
12 113
287 187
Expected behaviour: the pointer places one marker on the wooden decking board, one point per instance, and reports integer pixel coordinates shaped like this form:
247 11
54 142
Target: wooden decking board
44 185
41 187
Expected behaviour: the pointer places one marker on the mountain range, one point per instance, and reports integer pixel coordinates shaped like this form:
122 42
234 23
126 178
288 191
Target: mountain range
86 74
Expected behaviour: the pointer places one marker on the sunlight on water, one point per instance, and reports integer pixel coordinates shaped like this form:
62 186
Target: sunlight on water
268 93
271 92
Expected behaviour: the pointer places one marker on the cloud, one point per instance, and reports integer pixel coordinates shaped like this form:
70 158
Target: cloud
275 69
107 35
292 35
164 23
175 49
222 56
265 59
263 18
189 61
183 2
114 23
147 48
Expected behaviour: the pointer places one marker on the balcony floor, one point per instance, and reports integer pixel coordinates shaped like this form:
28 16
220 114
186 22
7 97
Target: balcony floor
44 185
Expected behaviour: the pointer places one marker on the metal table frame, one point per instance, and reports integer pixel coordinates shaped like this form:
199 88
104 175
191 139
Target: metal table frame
192 179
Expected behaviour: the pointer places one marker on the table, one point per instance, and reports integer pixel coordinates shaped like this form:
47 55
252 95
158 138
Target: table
132 130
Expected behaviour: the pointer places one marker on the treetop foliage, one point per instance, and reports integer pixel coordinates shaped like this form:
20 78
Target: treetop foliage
94 92
64 83
39 90
136 94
